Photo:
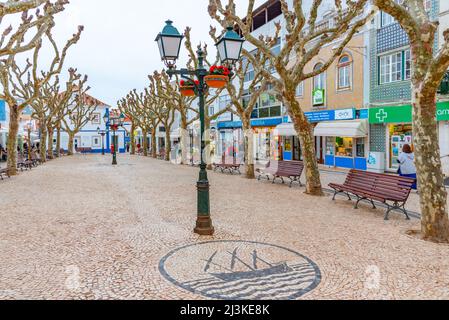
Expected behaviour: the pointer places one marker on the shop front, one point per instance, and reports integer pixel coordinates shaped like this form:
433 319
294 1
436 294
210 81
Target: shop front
399 130
346 143
266 142
289 144
340 138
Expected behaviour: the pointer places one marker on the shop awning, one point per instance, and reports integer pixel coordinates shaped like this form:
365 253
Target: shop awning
286 130
344 129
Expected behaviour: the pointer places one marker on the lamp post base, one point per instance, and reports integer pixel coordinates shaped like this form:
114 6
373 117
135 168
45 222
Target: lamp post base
204 226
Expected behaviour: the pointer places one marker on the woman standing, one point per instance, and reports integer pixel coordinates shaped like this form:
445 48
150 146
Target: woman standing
407 166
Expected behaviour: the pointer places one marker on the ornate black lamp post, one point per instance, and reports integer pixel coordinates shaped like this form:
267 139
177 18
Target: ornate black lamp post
229 48
102 133
114 122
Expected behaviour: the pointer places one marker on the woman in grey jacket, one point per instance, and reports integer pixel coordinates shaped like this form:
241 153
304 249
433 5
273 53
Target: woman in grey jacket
407 166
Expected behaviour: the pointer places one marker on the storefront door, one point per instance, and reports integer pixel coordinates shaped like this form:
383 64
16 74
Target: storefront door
399 135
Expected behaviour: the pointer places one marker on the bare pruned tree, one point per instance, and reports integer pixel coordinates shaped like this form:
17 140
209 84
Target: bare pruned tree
428 69
15 6
49 110
21 84
163 108
79 110
245 96
304 40
183 105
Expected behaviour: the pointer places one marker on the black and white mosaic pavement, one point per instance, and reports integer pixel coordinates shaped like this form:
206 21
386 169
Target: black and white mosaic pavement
241 270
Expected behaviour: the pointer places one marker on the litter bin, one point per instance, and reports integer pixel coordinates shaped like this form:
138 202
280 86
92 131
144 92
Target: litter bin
376 162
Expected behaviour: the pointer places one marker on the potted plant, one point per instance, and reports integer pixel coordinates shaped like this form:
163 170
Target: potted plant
187 88
218 78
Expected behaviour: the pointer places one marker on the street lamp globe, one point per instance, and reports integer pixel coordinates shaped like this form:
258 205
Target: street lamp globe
169 42
121 120
230 46
106 117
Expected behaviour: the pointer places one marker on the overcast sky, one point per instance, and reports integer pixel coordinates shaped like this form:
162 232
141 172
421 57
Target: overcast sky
117 49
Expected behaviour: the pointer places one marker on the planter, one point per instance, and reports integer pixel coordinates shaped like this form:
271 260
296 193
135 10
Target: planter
187 91
216 81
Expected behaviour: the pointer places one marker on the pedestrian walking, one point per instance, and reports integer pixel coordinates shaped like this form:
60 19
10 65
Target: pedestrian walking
407 166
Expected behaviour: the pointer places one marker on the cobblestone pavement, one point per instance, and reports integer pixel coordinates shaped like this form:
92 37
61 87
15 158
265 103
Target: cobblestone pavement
78 228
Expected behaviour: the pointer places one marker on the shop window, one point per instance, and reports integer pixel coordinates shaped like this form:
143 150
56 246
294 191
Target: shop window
399 136
344 147
344 73
360 148
330 146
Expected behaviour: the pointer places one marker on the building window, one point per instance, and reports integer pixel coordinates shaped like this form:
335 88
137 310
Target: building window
386 19
319 81
390 68
96 118
408 65
249 75
96 142
344 73
300 90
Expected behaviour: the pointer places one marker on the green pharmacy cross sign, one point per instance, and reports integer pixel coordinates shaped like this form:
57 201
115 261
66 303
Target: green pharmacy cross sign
404 114
390 115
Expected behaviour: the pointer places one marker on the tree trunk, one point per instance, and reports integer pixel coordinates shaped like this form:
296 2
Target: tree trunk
249 148
153 143
167 144
433 194
184 140
133 139
305 132
50 141
145 142
14 115
70 147
58 141
43 143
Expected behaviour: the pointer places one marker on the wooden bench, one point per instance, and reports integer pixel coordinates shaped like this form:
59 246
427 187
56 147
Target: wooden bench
23 163
84 150
393 191
161 155
230 167
4 172
283 170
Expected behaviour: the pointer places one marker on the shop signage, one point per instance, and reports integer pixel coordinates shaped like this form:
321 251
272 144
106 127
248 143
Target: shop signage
318 97
321 116
404 114
443 111
331 115
390 115
345 114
